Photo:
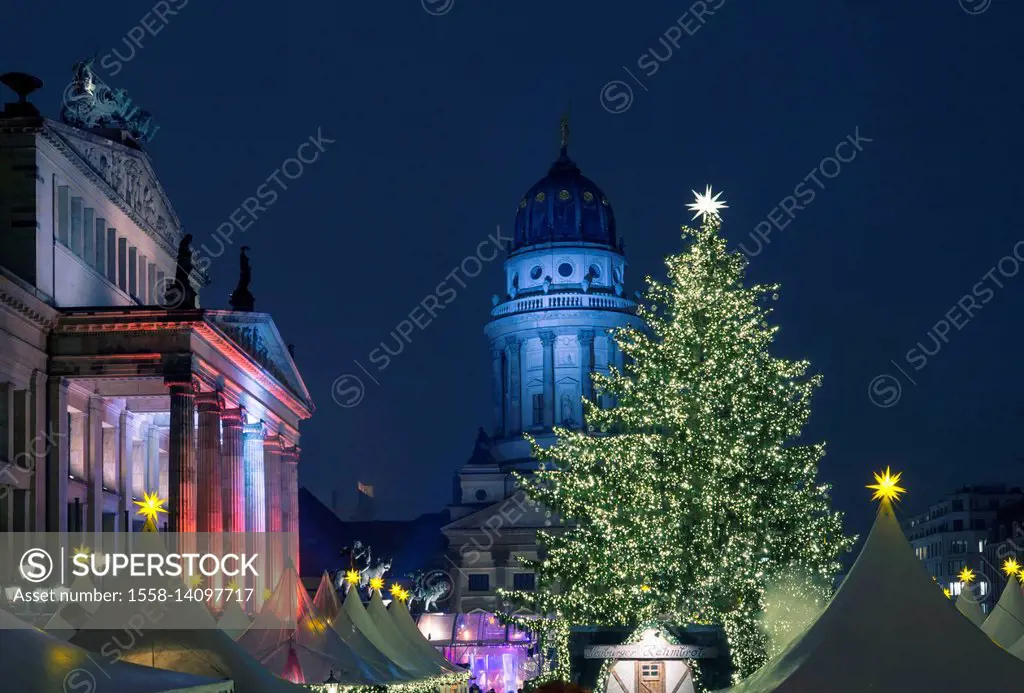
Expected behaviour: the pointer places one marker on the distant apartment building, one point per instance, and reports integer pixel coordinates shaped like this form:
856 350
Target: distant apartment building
959 531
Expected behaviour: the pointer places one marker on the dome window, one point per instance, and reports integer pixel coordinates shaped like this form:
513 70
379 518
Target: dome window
618 275
604 201
563 195
588 196
522 203
595 272
481 494
565 269
536 272
540 197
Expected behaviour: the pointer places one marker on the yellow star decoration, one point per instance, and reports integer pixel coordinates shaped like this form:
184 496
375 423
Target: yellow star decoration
966 576
887 486
1020 575
377 583
83 550
233 586
352 577
1011 566
645 588
945 591
150 506
397 591
195 580
267 593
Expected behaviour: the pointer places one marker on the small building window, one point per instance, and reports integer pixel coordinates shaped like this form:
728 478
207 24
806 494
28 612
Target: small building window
481 494
479 582
524 581
565 269
536 272
538 409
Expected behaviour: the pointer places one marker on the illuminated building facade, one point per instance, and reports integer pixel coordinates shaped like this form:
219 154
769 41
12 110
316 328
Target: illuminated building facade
549 331
105 393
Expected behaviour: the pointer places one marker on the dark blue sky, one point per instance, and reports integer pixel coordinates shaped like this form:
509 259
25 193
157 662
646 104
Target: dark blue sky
442 122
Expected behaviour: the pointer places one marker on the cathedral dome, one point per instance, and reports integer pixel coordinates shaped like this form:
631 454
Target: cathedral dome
564 207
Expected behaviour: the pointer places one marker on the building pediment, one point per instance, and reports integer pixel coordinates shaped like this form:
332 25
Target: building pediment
125 174
256 335
512 513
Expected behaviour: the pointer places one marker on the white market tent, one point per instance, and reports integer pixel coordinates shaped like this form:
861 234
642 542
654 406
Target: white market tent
385 624
399 612
184 639
289 623
233 619
366 650
31 660
968 605
1005 625
387 643
326 598
888 629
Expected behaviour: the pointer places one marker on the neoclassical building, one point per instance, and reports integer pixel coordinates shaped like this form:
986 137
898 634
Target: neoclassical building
106 392
549 331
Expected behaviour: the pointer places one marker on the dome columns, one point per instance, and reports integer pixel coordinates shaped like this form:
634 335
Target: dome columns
547 340
514 386
586 342
498 390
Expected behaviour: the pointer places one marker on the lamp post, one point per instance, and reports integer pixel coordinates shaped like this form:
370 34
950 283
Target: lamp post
332 684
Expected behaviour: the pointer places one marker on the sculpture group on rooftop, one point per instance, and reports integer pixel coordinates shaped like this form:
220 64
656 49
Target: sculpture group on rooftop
89 103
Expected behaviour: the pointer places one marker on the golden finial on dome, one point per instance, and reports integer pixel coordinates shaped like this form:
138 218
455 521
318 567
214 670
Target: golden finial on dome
565 129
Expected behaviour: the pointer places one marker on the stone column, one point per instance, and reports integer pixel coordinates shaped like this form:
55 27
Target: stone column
586 341
233 471
547 339
125 482
275 521
38 447
290 498
93 449
181 458
514 389
210 495
151 475
498 394
57 456
255 503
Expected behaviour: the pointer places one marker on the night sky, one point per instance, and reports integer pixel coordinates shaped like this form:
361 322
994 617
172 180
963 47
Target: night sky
441 119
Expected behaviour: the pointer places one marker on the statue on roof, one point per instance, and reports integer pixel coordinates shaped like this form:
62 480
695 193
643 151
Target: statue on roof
179 293
89 103
241 298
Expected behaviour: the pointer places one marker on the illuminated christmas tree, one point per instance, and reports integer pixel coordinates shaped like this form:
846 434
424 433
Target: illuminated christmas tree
691 491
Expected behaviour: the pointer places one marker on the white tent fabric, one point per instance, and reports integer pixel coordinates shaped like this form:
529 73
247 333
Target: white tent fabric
186 639
233 619
69 617
968 605
357 613
365 649
402 619
1005 624
385 625
890 629
31 660
289 616
326 598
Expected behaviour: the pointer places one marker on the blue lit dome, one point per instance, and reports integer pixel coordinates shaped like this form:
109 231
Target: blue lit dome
564 207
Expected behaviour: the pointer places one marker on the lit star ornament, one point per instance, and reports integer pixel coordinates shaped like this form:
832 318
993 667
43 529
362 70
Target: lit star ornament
707 204
887 486
377 583
398 593
966 576
195 580
352 577
150 506
1011 566
83 550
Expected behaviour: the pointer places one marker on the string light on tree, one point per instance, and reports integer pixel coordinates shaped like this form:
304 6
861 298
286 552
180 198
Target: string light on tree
697 489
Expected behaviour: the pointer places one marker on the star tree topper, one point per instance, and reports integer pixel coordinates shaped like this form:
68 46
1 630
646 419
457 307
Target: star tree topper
707 204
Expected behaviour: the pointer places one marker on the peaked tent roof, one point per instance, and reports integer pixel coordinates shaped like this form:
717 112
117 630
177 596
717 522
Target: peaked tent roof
365 649
354 609
185 639
387 628
1005 624
72 615
402 619
968 605
326 598
888 628
31 660
233 619
319 649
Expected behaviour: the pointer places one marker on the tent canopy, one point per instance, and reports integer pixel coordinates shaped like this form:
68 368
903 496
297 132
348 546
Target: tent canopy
888 628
